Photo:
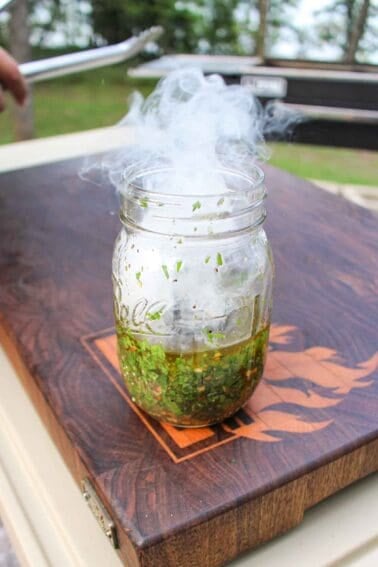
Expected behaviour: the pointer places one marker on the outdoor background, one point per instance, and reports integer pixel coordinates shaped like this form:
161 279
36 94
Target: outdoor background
332 30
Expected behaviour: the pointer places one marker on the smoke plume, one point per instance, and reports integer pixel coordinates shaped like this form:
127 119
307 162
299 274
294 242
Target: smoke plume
195 126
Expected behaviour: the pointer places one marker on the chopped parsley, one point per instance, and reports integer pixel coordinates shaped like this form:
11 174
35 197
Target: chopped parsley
138 276
178 265
155 316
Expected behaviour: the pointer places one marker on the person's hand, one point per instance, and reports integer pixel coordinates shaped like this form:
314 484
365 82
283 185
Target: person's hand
11 79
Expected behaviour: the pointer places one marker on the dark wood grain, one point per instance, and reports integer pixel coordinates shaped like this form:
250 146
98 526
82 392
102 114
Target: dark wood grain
56 238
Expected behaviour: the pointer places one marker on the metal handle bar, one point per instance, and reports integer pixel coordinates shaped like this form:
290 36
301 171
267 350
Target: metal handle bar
89 59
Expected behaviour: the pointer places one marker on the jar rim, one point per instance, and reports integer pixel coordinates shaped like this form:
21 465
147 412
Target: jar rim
130 181
238 205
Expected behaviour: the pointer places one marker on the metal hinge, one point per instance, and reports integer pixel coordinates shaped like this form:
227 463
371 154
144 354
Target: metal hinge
99 511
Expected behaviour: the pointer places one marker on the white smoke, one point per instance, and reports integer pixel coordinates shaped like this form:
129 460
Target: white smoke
195 126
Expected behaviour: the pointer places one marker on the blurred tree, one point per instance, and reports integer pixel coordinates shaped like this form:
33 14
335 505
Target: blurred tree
356 23
52 23
221 29
267 21
19 44
350 25
280 18
115 20
204 26
263 6
66 22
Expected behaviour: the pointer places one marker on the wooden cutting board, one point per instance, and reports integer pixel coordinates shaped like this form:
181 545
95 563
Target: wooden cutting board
195 497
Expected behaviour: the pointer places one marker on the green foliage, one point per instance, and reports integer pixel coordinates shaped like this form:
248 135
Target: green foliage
204 26
209 26
49 16
280 17
341 165
115 20
77 102
221 30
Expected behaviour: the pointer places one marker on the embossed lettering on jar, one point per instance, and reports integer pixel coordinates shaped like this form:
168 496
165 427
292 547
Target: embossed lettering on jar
192 280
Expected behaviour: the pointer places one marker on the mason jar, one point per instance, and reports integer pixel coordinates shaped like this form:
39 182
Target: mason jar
192 276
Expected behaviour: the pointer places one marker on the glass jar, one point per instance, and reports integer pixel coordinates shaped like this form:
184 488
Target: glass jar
192 278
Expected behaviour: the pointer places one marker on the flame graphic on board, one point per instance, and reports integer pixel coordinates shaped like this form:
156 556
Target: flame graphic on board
295 396
320 382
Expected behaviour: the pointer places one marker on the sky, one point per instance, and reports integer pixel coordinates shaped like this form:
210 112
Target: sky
306 9
304 17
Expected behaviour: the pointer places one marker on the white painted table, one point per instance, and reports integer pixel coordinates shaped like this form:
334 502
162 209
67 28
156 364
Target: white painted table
42 508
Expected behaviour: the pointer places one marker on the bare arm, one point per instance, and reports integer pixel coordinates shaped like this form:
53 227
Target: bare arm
11 79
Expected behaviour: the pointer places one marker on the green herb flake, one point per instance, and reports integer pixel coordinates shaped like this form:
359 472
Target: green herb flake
143 202
155 316
207 259
165 271
218 336
220 202
138 275
219 259
212 336
178 265
196 205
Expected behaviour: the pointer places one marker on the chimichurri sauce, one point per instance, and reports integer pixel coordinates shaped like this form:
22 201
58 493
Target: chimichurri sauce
191 389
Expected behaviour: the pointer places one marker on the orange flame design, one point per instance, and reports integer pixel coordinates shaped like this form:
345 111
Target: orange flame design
316 367
326 382
275 421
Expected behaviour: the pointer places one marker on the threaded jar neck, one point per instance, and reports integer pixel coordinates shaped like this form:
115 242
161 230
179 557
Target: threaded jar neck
158 201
